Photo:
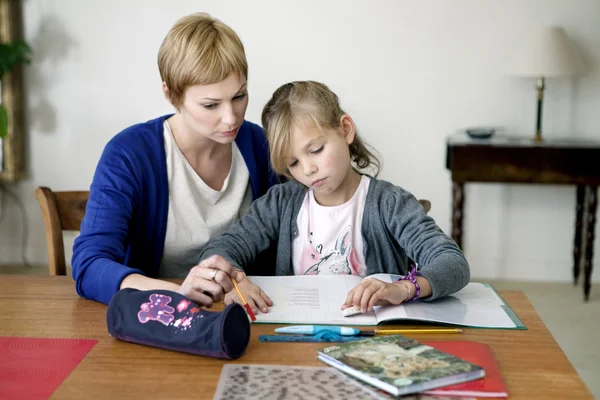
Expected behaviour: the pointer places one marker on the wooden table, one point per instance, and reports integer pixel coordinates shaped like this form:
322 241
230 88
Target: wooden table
532 363
504 159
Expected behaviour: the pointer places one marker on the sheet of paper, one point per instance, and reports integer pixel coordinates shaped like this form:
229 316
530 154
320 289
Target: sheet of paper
309 299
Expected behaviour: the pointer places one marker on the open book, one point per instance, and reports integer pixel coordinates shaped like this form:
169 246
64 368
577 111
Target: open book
316 299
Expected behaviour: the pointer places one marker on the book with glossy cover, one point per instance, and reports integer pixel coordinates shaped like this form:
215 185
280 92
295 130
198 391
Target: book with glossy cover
399 365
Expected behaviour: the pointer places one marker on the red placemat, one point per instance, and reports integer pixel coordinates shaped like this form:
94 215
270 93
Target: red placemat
32 368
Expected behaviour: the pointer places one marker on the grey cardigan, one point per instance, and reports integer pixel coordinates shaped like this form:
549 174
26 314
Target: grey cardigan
394 226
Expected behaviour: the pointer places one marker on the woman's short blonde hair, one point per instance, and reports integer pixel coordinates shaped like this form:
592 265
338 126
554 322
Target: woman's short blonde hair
199 50
307 102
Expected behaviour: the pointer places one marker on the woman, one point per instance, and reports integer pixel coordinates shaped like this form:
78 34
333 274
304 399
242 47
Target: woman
163 188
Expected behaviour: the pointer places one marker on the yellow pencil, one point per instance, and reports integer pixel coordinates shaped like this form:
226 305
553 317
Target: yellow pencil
416 330
244 303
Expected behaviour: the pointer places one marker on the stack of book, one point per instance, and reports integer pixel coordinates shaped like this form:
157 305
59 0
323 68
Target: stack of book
399 365
382 365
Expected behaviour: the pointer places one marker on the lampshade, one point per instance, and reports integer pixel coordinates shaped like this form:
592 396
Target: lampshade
545 52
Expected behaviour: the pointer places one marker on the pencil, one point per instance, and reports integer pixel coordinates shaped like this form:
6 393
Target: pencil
246 306
417 330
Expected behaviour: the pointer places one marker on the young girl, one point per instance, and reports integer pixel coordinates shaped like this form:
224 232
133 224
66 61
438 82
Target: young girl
331 219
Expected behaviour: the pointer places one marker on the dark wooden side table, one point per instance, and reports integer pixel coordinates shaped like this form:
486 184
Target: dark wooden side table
523 160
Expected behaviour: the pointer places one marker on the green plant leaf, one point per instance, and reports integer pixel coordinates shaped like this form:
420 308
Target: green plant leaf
13 54
3 122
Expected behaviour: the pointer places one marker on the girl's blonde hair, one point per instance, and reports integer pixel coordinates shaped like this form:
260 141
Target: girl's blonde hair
199 50
313 102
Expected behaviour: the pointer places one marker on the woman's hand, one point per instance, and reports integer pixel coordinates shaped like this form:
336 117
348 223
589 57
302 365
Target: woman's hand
208 281
255 297
373 292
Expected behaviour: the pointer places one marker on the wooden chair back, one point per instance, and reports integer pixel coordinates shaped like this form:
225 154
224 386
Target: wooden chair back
62 211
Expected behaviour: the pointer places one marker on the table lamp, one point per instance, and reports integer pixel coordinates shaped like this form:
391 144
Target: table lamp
545 53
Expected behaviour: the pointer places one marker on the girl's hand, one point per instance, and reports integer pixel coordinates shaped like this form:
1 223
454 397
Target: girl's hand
373 292
208 281
255 297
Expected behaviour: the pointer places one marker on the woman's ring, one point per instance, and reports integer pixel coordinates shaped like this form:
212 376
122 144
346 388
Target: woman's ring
214 275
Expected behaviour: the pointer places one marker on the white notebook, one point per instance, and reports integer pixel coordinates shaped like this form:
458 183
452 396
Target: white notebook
317 299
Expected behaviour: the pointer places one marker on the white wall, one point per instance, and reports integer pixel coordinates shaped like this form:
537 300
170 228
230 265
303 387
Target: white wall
409 72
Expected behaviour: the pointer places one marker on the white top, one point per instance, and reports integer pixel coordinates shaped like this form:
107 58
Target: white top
196 211
329 239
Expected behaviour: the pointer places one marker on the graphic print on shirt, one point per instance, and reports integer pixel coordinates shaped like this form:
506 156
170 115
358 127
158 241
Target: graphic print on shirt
337 261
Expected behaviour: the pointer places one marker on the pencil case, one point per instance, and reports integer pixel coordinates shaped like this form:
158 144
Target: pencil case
169 320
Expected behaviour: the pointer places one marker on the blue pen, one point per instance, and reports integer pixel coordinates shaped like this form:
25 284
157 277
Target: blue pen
319 329
307 339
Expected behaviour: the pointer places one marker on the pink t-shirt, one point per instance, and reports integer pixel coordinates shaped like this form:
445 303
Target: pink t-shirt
329 240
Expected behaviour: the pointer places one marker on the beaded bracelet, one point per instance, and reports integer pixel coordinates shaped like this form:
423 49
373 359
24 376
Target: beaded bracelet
412 276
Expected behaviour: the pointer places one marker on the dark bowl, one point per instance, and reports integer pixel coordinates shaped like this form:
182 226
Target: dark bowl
480 133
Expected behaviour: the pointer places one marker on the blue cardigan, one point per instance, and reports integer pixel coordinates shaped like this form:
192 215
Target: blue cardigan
123 231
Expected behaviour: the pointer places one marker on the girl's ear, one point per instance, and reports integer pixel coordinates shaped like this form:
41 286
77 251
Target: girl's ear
348 128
